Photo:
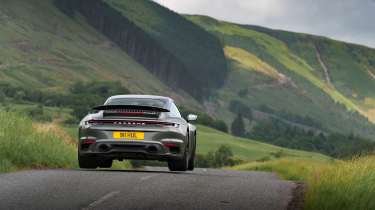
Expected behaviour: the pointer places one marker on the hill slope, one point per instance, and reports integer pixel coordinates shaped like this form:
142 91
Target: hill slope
168 45
42 48
287 74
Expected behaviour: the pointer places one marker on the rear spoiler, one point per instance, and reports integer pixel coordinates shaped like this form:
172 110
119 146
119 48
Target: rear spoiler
114 107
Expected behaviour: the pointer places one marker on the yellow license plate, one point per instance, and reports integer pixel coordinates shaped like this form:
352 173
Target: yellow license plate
129 135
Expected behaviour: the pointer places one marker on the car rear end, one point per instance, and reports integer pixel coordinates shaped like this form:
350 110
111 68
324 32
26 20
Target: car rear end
132 132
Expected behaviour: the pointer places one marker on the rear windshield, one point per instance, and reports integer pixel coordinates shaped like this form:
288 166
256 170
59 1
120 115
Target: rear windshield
159 103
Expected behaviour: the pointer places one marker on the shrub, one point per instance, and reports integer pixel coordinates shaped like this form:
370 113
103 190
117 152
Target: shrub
222 157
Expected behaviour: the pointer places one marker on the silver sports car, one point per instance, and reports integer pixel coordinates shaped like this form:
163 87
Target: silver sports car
137 127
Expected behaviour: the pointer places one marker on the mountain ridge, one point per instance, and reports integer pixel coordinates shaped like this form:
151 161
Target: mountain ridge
164 55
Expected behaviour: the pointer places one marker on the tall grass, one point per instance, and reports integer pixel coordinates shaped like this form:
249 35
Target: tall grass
22 146
335 185
347 185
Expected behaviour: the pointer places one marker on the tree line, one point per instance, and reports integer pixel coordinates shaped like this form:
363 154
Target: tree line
278 132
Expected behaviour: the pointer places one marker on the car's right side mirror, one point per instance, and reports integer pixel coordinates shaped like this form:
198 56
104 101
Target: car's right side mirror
192 117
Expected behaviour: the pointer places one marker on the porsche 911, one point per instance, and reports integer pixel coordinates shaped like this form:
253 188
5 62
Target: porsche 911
140 127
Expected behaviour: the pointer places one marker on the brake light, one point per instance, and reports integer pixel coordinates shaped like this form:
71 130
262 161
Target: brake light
170 145
89 141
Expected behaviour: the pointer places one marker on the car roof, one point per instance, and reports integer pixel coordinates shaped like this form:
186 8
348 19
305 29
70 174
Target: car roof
140 96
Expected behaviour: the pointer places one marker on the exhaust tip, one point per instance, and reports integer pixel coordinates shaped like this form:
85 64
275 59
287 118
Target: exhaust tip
104 148
152 149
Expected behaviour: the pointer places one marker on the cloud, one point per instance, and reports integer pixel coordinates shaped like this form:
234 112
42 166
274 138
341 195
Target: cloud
347 20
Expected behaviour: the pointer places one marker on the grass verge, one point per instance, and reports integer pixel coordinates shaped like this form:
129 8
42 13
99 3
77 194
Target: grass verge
331 185
24 147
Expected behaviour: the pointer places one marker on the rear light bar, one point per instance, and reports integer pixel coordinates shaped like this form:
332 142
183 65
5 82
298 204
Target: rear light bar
131 123
131 113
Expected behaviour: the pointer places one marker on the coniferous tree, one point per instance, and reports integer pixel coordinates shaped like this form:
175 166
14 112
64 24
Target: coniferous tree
238 126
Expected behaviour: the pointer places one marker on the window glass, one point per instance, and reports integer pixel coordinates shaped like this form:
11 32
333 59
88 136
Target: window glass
159 103
174 111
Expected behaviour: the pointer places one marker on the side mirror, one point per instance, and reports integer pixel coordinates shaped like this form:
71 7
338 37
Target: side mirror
192 117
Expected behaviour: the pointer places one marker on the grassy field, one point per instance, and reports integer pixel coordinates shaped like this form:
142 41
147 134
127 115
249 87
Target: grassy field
209 139
24 146
330 185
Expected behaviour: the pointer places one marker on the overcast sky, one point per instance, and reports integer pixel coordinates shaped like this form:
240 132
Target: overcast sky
347 20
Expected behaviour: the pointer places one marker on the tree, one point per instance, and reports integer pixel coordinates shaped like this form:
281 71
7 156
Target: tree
220 125
223 156
2 97
238 126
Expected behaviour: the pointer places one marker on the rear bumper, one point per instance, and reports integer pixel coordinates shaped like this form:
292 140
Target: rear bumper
144 150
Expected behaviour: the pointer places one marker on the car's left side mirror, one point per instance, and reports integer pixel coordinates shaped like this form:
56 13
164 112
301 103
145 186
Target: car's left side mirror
192 117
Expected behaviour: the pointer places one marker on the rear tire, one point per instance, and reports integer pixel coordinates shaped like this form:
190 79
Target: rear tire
192 160
191 163
87 162
178 165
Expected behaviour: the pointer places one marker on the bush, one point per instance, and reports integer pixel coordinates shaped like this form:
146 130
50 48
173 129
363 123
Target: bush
37 113
222 157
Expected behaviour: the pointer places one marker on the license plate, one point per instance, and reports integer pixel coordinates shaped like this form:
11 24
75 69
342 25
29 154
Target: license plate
129 135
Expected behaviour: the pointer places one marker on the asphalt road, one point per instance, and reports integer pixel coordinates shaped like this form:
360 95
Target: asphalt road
153 188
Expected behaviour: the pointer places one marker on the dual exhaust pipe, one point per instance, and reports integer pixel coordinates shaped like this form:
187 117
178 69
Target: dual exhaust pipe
106 148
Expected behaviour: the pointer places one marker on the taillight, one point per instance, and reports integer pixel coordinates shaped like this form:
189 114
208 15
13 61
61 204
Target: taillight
89 141
170 145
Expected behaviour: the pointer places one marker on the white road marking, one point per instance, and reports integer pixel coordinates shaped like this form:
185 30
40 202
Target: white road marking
148 177
101 200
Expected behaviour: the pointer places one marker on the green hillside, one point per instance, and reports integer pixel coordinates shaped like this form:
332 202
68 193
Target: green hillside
42 48
272 69
168 45
200 52
349 68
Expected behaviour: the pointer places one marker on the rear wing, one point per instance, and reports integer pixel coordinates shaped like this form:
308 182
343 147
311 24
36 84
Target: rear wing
136 107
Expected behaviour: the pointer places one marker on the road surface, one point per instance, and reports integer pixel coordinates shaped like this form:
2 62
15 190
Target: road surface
153 188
